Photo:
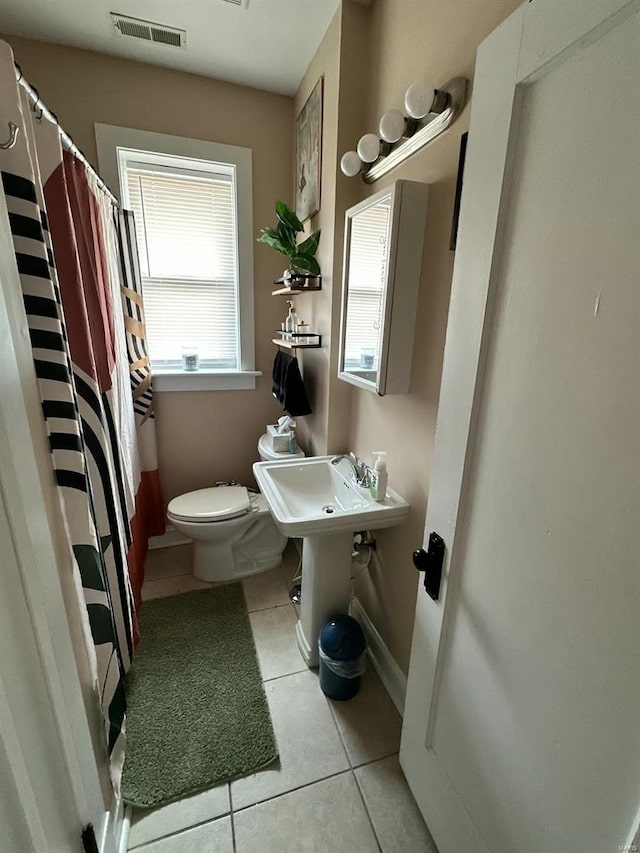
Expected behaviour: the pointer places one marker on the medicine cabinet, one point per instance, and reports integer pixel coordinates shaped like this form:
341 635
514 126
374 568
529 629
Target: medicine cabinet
383 242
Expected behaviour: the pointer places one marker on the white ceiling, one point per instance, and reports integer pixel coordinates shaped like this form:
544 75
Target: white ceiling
267 45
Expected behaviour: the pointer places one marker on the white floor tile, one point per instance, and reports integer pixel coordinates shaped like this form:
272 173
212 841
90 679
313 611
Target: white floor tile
164 587
327 816
274 632
369 723
151 824
265 590
210 837
394 813
168 562
297 804
308 741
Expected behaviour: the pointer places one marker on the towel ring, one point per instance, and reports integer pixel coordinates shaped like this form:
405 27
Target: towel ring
13 136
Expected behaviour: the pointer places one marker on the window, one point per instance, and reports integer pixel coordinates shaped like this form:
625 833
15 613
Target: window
193 210
187 242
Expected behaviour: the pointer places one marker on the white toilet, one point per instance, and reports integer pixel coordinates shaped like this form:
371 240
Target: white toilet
232 529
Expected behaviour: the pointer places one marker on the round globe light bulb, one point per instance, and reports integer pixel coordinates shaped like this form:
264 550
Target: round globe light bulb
350 164
369 148
392 126
419 99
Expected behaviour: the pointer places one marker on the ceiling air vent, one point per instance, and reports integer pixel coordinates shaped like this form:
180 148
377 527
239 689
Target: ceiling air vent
242 3
149 31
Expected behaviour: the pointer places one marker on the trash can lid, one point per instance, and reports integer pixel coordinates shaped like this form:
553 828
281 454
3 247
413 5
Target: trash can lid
342 638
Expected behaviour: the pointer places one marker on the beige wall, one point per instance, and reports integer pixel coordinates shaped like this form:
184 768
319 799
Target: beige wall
202 436
354 58
398 42
343 115
316 307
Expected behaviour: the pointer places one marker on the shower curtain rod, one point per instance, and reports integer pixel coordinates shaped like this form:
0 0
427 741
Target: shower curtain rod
68 142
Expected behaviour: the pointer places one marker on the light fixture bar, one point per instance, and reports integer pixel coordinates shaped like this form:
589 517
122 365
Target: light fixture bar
457 91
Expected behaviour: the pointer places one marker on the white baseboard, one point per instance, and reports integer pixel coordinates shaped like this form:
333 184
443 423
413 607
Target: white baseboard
169 538
633 842
125 830
115 833
393 678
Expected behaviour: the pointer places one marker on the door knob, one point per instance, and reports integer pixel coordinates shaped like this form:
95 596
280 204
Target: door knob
431 562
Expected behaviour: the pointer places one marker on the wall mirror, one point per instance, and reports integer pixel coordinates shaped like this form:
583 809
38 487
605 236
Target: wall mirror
383 242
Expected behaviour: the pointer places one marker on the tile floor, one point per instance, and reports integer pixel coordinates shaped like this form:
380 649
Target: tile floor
337 785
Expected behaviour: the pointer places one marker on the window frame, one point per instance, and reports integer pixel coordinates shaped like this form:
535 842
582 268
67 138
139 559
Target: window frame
113 143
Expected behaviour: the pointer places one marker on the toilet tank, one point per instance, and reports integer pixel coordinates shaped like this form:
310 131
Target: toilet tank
267 454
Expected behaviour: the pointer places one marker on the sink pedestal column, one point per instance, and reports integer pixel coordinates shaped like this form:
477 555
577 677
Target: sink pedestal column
326 587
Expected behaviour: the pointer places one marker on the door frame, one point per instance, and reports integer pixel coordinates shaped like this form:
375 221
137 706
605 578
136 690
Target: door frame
537 37
42 574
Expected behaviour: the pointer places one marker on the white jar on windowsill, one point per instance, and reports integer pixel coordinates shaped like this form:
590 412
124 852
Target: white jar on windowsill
367 358
190 358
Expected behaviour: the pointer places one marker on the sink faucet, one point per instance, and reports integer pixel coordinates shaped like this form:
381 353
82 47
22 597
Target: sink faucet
361 471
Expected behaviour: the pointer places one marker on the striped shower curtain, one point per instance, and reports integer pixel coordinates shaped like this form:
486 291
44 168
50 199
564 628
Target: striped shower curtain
77 260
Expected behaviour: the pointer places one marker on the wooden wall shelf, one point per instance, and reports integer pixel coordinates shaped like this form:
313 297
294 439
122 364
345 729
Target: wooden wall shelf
313 284
291 343
293 291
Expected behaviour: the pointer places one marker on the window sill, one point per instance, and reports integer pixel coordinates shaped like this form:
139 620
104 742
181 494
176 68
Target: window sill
204 380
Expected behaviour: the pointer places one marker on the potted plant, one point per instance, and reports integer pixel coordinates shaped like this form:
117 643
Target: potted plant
283 238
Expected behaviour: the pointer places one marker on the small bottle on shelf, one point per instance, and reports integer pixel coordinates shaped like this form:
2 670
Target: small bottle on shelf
291 321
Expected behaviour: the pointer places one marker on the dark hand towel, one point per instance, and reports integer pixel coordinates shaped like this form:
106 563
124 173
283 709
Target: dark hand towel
288 388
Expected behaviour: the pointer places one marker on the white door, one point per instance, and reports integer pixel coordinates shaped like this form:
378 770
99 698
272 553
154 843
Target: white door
522 721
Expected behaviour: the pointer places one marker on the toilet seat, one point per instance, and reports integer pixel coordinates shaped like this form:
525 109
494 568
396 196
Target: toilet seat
219 503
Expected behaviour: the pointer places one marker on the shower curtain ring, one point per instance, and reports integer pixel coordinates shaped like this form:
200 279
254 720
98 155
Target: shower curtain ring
37 106
13 135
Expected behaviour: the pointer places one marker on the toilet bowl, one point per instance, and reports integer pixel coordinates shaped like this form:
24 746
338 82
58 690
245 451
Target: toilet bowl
232 529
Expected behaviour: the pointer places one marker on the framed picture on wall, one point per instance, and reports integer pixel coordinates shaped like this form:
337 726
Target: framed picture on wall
456 205
309 154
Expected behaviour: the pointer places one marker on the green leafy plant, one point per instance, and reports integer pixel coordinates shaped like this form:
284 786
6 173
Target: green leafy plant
283 238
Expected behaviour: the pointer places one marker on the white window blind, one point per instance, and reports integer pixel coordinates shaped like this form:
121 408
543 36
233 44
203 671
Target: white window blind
367 271
187 240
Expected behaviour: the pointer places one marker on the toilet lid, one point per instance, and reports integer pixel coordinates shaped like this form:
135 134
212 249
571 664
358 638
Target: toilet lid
215 504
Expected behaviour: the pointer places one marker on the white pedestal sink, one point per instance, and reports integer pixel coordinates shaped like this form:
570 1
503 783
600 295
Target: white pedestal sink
322 503
326 587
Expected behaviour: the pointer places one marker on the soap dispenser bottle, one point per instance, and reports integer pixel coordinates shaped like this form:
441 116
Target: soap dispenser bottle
291 320
378 488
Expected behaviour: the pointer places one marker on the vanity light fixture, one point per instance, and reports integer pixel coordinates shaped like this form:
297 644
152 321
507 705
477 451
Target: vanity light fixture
428 112
392 126
351 164
368 148
420 99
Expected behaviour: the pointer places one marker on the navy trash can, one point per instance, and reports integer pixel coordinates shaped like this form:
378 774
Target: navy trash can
342 650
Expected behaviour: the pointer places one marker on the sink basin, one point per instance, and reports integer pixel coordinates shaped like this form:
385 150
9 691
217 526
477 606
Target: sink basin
312 496
323 503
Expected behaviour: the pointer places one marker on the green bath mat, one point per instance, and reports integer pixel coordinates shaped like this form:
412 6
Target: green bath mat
197 713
